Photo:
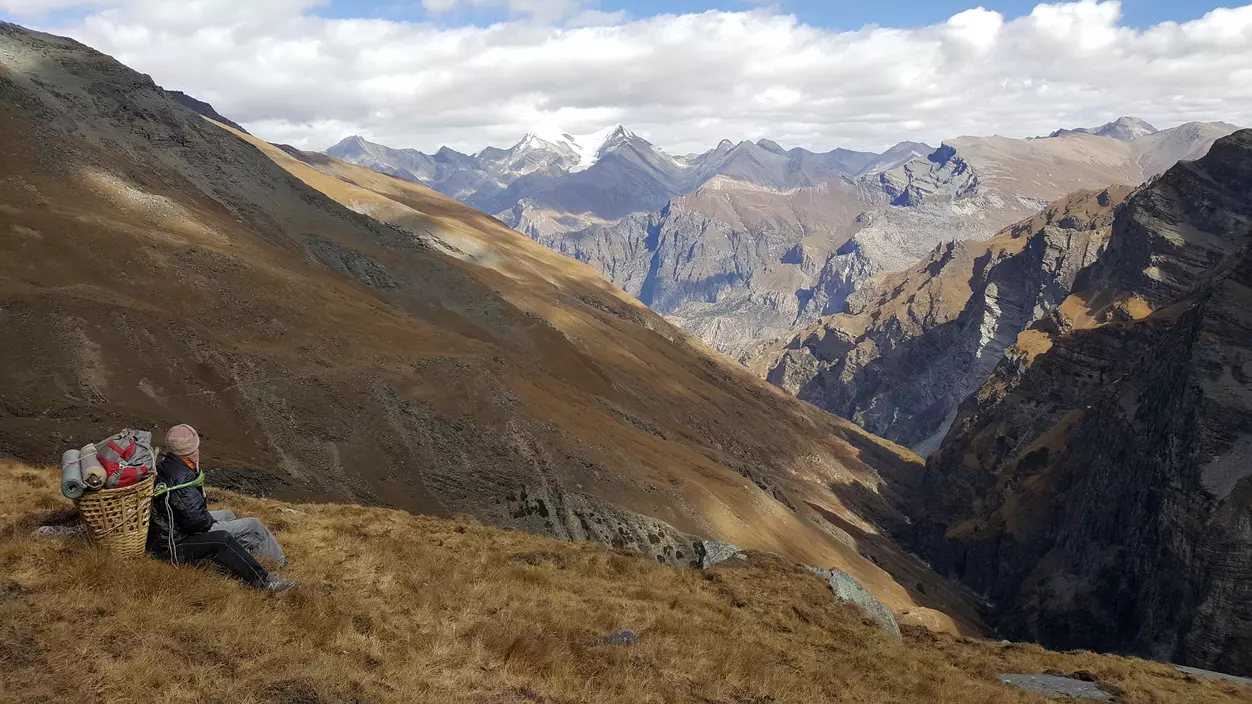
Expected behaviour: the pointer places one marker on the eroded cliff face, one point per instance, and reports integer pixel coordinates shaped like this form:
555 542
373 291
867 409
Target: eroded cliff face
912 345
1097 489
733 262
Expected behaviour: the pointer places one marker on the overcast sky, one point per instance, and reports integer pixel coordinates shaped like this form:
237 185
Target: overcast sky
468 73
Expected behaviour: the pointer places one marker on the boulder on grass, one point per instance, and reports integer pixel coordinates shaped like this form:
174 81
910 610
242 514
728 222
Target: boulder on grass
849 590
711 552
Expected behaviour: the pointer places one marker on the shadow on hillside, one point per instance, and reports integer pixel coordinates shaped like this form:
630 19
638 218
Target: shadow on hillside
902 376
925 587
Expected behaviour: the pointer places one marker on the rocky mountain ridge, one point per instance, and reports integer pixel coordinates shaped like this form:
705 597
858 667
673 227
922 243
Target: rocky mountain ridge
1125 128
672 231
552 153
911 346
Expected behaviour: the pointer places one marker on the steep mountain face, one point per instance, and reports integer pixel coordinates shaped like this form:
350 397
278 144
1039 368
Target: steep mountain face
732 262
672 231
340 334
203 108
890 363
914 344
1097 487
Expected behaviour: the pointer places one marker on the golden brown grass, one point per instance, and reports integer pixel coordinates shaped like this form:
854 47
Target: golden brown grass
397 607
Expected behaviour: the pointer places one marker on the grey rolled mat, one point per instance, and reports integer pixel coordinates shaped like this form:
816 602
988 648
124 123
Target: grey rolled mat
93 472
72 485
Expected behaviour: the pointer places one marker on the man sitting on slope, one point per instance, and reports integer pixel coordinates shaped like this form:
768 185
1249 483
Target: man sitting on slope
182 529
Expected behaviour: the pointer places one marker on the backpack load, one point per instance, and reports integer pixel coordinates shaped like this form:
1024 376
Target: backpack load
111 483
72 485
93 471
127 458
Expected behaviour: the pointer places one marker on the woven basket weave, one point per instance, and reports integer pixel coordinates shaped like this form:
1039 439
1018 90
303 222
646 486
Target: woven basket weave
119 517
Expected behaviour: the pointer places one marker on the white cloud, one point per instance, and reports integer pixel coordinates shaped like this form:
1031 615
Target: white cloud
35 7
540 9
683 81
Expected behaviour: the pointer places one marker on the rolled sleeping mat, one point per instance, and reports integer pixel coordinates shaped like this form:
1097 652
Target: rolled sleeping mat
93 472
72 485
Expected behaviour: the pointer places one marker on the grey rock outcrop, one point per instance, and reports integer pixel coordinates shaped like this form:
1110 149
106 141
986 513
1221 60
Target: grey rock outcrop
575 516
622 638
850 591
712 552
1057 686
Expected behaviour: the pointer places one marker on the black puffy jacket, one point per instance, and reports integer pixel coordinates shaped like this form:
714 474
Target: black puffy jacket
179 513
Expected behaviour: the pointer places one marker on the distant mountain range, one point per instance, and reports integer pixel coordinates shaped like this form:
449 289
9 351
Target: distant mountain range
749 241
608 174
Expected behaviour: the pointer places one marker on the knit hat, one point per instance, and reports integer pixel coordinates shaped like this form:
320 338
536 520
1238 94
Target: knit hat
184 441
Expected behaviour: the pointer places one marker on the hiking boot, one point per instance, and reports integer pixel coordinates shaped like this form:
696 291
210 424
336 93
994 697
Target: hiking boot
277 584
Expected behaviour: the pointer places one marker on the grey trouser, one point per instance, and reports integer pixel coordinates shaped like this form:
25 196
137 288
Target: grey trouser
251 533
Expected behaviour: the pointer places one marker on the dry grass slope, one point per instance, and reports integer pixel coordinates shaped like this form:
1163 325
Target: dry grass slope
403 608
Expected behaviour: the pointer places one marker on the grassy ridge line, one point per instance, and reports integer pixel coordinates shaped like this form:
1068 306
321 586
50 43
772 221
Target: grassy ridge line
397 607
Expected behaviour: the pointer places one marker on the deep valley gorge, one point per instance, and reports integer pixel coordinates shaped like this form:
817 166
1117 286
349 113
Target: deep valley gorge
920 294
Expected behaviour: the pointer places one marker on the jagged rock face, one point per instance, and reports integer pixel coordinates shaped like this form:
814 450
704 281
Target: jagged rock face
551 510
752 264
914 344
739 265
731 262
1097 489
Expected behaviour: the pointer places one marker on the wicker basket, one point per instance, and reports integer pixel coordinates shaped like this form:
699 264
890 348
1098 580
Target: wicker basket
119 517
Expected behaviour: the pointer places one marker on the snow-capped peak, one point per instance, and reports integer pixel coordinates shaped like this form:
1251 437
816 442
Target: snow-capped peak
545 136
587 147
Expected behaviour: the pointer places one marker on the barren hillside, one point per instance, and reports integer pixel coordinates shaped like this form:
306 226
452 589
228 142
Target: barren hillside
403 351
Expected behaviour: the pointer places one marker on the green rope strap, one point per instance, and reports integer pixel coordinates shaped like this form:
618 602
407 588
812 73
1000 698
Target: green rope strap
198 481
161 489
